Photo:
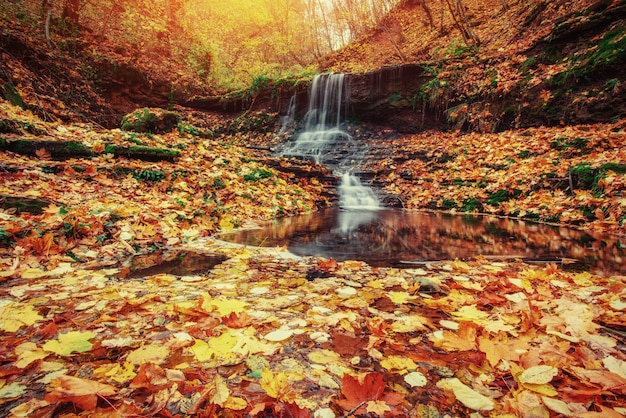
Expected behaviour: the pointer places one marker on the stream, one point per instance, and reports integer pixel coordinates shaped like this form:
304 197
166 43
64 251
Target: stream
361 229
397 238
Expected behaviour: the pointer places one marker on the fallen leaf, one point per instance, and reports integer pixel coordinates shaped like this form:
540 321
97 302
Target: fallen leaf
69 342
277 386
538 374
14 316
81 392
466 395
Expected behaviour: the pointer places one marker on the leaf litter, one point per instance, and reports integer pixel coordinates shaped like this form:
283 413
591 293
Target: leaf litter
256 335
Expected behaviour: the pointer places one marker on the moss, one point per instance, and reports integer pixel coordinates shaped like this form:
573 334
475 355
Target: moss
150 120
12 95
142 153
258 174
78 149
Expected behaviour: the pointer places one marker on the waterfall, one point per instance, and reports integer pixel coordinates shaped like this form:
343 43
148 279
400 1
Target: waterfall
288 120
325 141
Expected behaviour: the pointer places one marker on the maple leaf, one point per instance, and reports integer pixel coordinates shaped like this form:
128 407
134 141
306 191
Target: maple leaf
377 407
358 391
98 147
81 392
69 342
237 320
328 265
13 316
278 386
501 348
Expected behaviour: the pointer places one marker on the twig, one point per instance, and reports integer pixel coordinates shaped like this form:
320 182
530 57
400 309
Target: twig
571 181
353 410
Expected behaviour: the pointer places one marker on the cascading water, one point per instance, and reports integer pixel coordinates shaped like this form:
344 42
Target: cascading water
324 140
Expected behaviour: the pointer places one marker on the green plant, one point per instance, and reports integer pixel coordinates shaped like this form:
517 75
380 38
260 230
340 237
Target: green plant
395 98
527 65
448 204
151 176
494 199
610 85
11 94
523 154
587 178
218 183
187 128
565 143
5 237
458 47
258 174
471 205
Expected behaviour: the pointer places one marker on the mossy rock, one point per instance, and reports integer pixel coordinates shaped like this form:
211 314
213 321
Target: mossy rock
156 121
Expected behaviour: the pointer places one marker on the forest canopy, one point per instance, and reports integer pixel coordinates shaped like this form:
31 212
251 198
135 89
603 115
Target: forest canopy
226 43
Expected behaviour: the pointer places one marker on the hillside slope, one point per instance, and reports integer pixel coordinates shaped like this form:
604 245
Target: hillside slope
408 36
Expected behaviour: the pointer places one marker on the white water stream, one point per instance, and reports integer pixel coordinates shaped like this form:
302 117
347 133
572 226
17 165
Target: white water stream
324 141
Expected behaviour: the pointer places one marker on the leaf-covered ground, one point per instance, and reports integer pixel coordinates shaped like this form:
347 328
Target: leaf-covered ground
574 175
255 335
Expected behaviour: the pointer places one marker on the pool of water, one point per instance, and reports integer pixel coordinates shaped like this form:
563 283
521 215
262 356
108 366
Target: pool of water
408 238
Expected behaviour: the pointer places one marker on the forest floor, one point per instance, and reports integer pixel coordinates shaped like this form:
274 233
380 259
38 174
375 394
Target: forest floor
255 335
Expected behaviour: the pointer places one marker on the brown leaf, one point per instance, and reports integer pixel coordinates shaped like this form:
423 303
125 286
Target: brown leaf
42 154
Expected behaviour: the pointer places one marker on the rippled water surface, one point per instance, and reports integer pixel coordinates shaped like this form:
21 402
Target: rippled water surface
404 238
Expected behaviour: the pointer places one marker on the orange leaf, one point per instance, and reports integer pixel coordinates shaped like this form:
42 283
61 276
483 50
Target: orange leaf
501 348
235 320
359 391
81 392
328 265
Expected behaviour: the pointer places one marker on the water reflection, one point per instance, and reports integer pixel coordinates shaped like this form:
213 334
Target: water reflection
404 238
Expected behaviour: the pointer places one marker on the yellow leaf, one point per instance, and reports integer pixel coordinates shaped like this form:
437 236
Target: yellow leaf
121 373
277 386
228 306
399 297
14 316
410 323
73 341
219 391
323 356
150 353
228 349
558 406
235 403
466 395
33 273
538 374
399 364
12 390
28 352
226 223
279 335
544 388
375 284
201 351
471 313
378 407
